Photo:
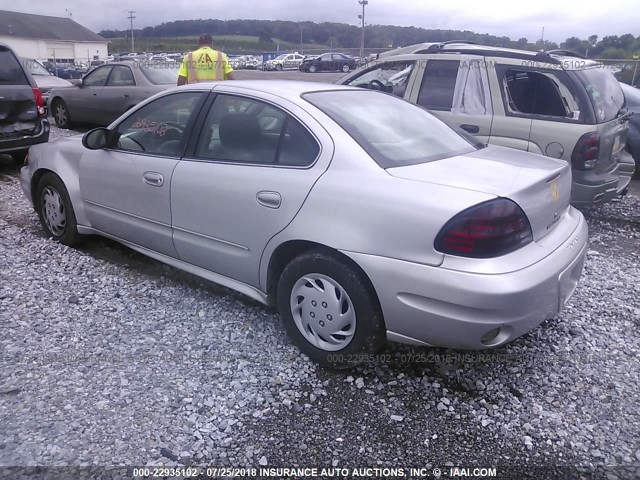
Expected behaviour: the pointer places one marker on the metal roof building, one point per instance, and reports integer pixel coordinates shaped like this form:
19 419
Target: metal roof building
50 38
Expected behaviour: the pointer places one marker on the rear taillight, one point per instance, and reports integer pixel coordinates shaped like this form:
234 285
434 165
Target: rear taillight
586 152
37 93
487 230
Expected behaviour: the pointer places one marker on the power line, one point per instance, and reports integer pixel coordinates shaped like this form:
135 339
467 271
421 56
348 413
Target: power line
131 17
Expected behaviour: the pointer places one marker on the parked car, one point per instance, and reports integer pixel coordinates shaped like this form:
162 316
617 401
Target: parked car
328 62
632 95
108 91
287 61
66 71
44 79
548 103
359 228
23 114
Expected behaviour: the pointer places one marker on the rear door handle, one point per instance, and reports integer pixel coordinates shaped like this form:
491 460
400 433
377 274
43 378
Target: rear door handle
269 199
470 128
154 179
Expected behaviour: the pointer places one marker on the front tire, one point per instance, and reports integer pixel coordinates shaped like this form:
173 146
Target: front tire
330 310
56 211
312 69
345 68
61 113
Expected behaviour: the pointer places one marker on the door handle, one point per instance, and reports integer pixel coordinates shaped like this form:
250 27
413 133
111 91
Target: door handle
126 95
154 179
470 128
269 199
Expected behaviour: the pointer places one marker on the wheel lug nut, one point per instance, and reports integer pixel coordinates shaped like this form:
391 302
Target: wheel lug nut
324 304
312 315
329 317
314 303
321 323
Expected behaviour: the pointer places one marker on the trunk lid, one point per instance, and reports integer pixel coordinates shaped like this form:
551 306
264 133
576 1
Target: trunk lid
541 186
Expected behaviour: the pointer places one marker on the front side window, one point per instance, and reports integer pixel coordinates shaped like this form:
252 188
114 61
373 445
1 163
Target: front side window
244 130
97 78
121 76
391 77
159 127
393 132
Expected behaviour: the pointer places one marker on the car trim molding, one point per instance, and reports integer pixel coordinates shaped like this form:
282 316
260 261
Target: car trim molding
219 240
99 205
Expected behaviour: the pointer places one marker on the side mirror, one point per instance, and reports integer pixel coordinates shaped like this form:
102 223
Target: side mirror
96 139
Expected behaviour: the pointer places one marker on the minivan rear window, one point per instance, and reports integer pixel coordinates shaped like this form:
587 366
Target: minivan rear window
11 72
604 92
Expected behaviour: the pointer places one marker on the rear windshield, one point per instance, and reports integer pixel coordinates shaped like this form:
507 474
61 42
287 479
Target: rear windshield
604 92
34 67
160 74
11 72
395 133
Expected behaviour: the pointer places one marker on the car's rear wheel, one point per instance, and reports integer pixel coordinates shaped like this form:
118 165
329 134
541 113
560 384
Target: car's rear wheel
330 310
19 156
61 113
345 68
312 69
56 211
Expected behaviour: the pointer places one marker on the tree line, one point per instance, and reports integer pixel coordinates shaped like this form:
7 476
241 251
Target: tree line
340 35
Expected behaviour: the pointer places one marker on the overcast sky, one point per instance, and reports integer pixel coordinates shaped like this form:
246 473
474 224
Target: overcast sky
515 19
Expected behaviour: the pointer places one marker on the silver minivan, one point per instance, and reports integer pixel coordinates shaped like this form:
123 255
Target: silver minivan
550 103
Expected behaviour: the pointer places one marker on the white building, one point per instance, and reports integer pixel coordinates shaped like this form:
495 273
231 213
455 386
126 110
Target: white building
50 38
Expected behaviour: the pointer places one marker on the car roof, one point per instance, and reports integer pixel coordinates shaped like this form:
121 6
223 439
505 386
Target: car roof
565 57
289 89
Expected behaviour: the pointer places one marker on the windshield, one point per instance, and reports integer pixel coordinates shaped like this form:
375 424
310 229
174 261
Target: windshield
35 67
280 57
393 132
161 74
604 92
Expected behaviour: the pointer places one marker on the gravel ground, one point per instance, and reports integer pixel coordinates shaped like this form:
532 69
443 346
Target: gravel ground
110 358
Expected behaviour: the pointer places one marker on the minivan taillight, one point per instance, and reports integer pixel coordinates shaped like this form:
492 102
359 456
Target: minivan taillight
489 229
586 152
37 93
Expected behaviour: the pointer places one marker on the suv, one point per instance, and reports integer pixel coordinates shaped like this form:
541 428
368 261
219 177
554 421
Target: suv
23 114
552 103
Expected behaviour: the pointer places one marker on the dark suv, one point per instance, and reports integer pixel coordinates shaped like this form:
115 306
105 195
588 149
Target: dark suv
23 114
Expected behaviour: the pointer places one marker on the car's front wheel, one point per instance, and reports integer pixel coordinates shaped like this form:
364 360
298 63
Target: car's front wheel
312 69
346 68
61 113
330 310
56 211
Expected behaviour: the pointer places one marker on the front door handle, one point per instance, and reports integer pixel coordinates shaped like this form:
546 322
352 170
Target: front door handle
470 128
269 199
154 179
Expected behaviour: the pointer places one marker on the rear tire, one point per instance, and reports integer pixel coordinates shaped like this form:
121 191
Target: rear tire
56 211
330 310
346 68
19 156
61 113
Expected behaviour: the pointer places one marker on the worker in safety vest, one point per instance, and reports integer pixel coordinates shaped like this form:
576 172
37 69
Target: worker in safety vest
204 64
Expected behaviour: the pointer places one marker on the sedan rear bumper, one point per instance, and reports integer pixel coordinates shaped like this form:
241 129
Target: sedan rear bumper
434 306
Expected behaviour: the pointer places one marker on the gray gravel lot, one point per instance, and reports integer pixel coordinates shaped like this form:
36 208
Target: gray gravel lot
110 358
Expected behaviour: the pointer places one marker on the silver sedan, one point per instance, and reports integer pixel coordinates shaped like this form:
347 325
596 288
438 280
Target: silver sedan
361 216
108 91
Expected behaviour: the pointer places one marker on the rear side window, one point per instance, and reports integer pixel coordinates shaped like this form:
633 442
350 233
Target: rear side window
11 72
121 76
604 93
548 94
438 84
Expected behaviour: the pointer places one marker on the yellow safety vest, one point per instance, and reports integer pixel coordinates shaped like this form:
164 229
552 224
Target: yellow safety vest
204 68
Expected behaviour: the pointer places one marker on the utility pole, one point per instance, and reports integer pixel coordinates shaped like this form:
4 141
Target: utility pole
364 3
301 44
131 17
